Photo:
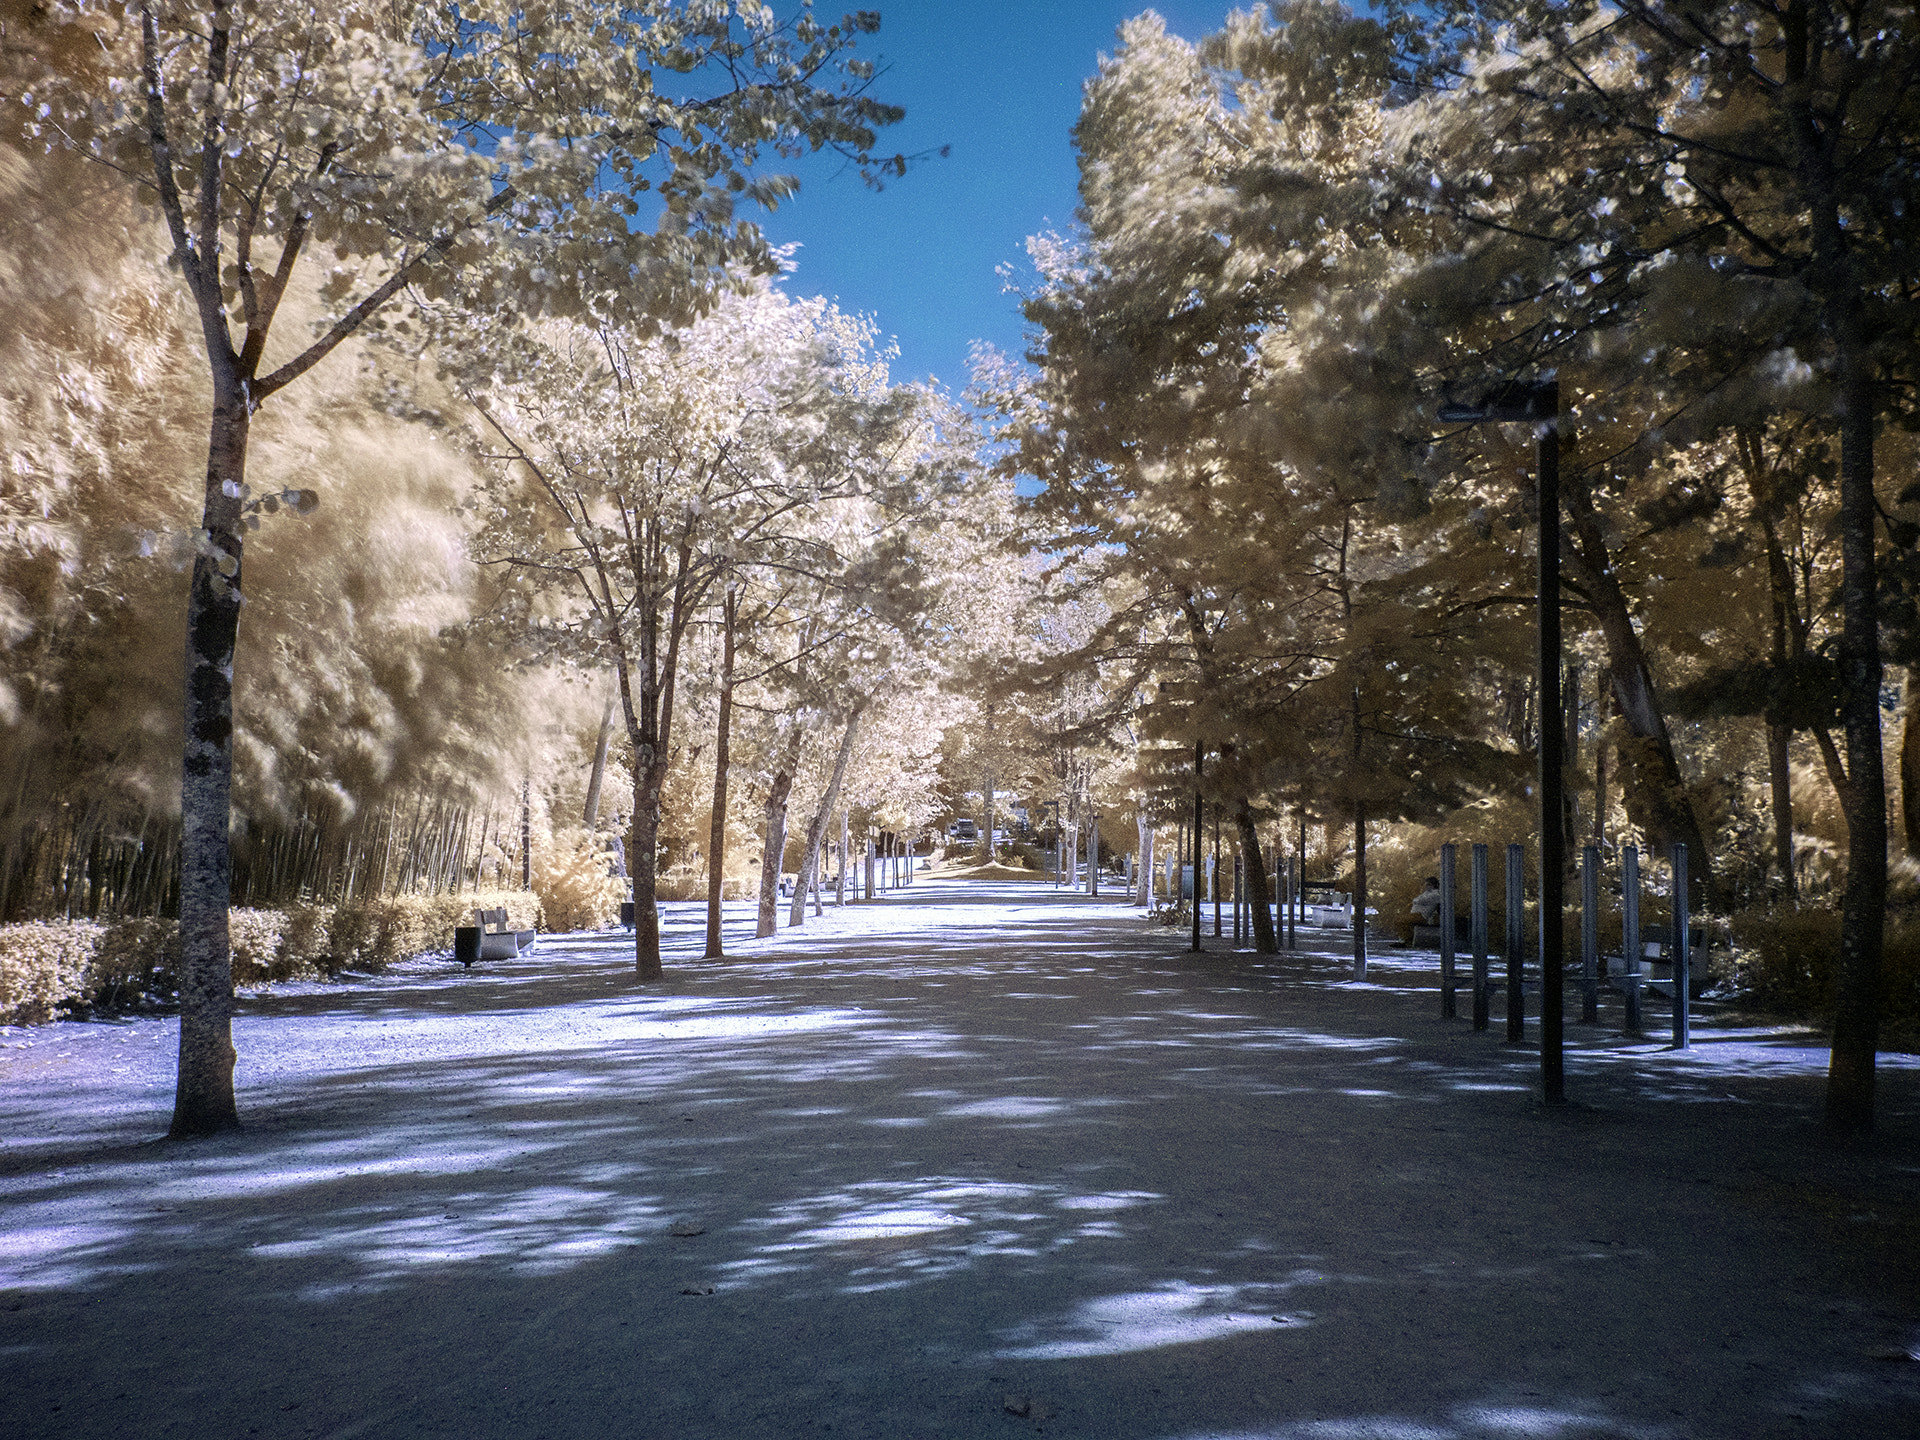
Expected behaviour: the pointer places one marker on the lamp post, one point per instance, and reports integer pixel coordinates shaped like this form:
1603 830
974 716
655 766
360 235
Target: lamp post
1539 403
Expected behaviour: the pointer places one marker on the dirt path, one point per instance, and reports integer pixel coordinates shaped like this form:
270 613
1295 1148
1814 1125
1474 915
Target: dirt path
975 1160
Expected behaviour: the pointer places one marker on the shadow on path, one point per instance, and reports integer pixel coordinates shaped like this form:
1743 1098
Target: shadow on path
949 1164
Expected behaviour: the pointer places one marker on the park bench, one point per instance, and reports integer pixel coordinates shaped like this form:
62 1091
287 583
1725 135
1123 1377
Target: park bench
1333 913
490 939
1655 971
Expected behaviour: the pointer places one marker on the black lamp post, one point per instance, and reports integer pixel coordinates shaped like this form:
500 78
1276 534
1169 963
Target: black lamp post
1539 402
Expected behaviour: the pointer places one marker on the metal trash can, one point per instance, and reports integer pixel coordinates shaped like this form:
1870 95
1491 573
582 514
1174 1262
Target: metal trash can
466 944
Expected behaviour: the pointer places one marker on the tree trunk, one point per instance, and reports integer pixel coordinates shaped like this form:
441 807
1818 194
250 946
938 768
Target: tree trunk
1787 639
1360 890
1264 940
1650 780
817 824
722 758
986 829
1143 882
203 1100
1835 277
1863 906
1910 763
649 776
591 818
774 847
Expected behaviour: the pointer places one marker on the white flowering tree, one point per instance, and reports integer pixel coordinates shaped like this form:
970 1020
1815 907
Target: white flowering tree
365 151
631 476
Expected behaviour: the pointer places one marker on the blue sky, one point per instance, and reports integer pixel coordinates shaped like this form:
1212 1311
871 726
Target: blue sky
1000 84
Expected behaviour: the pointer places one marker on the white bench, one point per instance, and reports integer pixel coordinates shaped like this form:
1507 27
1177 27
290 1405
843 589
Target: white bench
497 942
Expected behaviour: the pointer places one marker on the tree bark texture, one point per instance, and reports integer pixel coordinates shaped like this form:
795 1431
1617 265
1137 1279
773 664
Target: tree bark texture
1835 278
1863 906
817 824
1360 890
591 817
203 1102
722 758
774 846
1910 762
1258 896
1650 780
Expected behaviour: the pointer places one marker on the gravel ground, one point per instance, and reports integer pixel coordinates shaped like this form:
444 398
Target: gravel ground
974 1160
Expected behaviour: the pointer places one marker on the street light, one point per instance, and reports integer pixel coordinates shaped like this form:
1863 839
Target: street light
1539 402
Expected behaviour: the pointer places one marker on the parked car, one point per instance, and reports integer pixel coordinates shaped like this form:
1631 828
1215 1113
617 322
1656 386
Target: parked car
963 830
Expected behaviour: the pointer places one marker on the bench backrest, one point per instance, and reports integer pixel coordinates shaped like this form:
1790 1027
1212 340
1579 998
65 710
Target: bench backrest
495 918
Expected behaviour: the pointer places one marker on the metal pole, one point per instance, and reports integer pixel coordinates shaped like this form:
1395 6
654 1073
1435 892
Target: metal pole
1198 820
1630 950
1553 833
1682 958
1516 943
1480 1019
1590 934
1213 873
1448 1008
1293 909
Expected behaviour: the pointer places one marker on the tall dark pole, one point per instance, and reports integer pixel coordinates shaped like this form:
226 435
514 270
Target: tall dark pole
1553 825
1199 820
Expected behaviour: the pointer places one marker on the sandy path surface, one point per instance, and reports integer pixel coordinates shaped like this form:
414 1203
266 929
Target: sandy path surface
974 1160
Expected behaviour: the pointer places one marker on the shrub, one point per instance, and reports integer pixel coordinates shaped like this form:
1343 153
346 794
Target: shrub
43 966
570 875
1784 961
50 965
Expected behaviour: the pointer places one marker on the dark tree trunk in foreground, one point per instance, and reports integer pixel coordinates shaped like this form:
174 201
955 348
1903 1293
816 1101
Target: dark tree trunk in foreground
717 836
1258 897
203 1101
1910 763
1863 910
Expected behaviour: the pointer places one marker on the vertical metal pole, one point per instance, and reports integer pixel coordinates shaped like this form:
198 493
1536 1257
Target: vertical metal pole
1213 876
1553 819
1279 895
1630 950
1480 1019
1237 897
1449 1009
1682 956
1589 934
1293 908
1198 820
1516 943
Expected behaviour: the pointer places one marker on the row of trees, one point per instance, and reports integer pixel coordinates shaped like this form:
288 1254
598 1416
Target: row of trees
1304 234
563 424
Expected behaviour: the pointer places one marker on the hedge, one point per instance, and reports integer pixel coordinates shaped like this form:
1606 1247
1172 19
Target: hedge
50 966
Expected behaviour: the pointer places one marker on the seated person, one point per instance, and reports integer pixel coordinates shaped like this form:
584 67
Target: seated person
1426 905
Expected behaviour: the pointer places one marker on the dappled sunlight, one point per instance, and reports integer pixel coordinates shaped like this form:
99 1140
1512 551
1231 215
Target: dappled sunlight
884 1235
1175 1313
1519 1421
1066 1154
